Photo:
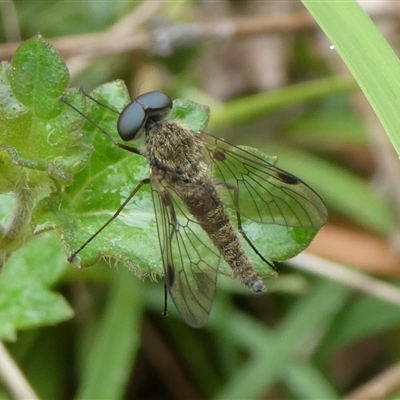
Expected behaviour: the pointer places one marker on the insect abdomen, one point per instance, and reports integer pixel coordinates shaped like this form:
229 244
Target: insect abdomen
205 205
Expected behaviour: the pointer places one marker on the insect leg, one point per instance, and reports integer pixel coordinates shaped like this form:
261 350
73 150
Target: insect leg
165 311
86 94
239 224
121 145
122 206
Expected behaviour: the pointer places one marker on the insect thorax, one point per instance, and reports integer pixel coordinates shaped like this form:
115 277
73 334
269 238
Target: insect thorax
176 150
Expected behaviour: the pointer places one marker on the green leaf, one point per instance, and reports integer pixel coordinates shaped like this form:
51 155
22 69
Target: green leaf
34 123
372 62
25 298
40 142
191 114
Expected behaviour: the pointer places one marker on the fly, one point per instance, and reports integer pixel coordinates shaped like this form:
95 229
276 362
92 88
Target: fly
188 170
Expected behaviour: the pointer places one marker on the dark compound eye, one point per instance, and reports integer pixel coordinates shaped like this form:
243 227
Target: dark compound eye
131 121
152 105
156 104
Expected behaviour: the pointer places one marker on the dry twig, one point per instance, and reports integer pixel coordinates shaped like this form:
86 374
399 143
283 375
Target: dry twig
347 276
162 38
12 377
382 386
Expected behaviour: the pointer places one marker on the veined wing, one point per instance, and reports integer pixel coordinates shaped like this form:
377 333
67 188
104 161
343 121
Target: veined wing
262 192
190 259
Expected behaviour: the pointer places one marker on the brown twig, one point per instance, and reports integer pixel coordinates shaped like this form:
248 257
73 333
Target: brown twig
140 15
347 276
126 26
382 386
12 377
164 38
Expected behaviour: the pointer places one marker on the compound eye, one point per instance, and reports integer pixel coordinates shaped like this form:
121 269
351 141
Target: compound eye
131 121
156 104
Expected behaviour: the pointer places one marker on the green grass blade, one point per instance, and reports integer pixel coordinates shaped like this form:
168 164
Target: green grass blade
306 381
248 108
116 343
273 351
366 53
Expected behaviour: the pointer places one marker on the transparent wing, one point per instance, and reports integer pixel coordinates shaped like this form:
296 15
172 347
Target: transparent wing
260 191
189 257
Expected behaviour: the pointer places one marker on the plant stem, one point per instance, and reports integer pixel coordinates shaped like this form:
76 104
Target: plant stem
12 377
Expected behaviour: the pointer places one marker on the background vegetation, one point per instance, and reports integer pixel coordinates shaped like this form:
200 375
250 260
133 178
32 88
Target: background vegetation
329 326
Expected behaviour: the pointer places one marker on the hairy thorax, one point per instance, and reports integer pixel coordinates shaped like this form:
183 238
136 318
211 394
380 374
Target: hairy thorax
177 152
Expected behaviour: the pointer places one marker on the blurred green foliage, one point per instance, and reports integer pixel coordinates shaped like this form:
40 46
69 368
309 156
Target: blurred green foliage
286 342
